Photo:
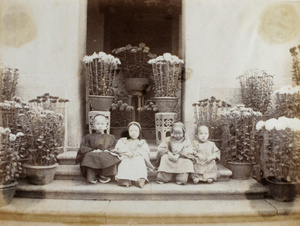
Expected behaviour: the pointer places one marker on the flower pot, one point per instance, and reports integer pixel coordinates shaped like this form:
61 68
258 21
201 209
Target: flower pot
100 103
40 175
136 84
282 191
7 193
240 170
166 104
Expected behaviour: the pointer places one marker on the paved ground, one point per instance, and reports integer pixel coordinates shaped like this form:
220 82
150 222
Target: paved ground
23 211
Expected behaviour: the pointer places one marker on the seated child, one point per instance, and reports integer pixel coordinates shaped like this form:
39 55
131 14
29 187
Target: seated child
96 160
206 152
175 156
135 156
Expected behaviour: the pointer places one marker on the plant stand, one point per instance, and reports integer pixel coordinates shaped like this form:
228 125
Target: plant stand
163 125
91 116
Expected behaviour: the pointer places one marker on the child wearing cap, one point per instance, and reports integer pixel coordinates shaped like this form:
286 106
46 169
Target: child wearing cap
206 154
175 156
135 156
97 163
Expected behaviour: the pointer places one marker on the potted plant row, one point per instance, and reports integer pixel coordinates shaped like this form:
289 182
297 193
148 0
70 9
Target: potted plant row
240 140
100 70
280 156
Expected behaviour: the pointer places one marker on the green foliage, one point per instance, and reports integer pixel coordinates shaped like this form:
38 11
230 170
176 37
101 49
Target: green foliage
121 114
296 64
147 115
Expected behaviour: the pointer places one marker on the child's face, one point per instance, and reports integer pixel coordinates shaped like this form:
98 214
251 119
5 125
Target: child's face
177 133
134 132
100 123
203 133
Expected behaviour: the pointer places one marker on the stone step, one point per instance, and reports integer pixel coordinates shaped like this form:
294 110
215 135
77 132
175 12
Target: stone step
68 158
72 172
80 190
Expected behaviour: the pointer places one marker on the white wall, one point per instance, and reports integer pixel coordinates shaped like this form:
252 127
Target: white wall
45 40
225 38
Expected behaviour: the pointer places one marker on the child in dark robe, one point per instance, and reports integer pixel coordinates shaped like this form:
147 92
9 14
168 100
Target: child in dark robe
97 163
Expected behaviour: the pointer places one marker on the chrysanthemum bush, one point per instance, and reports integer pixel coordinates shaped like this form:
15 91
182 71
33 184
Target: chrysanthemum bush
239 136
121 114
10 111
44 135
256 89
8 82
280 156
147 115
12 151
167 74
295 52
208 112
134 60
101 69
287 102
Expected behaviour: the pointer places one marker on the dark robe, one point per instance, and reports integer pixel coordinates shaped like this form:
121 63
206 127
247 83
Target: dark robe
96 161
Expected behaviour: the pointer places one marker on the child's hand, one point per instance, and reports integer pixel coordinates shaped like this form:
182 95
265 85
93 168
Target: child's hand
210 158
97 151
201 157
170 156
129 154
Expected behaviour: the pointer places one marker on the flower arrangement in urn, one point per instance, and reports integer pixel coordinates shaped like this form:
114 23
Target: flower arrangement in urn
280 155
256 90
288 102
295 52
208 112
8 82
134 60
167 73
12 149
240 138
101 70
121 114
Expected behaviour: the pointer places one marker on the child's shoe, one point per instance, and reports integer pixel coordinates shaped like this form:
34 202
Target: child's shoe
209 180
141 182
93 181
104 179
196 181
159 182
179 183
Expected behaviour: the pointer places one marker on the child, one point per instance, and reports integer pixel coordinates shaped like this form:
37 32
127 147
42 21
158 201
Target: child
96 160
175 156
135 154
206 152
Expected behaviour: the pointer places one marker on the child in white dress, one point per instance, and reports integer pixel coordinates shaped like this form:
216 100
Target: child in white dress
206 152
135 156
175 157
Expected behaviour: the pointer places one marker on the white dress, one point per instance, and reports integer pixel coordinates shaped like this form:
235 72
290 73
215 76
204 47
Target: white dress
133 168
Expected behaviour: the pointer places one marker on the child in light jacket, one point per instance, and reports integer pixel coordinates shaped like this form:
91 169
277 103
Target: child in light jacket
206 154
175 157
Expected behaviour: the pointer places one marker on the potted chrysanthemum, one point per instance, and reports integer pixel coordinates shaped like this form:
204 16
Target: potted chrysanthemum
12 151
280 156
100 70
167 73
240 140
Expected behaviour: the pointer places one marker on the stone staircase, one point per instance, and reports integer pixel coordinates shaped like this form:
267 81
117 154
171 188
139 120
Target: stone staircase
70 184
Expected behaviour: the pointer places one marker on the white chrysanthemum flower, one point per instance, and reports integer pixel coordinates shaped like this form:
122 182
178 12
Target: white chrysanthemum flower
12 137
7 130
2 130
270 124
20 134
260 125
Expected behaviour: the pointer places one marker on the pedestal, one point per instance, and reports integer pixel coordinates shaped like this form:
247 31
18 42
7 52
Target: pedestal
91 116
163 125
